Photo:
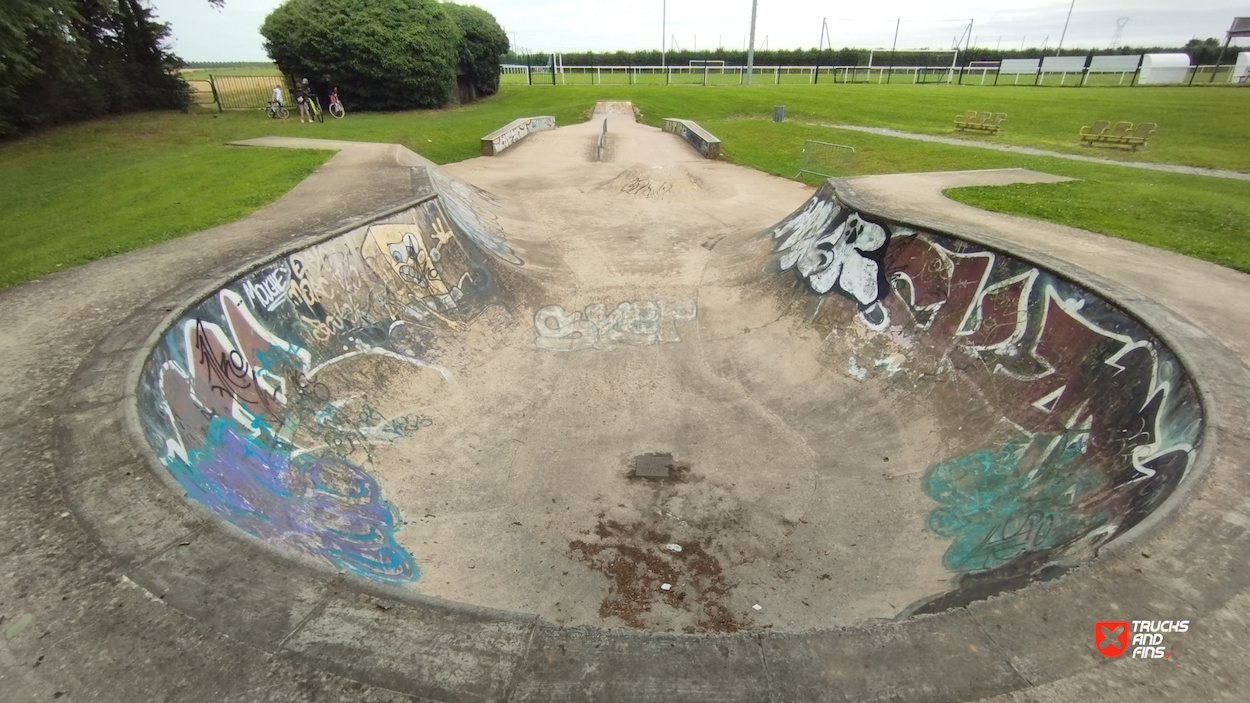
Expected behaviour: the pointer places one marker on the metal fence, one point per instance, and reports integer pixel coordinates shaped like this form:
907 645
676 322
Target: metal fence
1038 73
826 160
238 92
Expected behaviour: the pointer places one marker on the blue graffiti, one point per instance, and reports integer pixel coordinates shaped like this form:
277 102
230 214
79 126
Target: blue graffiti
1028 495
326 508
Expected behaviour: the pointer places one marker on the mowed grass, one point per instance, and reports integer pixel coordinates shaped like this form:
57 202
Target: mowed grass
88 191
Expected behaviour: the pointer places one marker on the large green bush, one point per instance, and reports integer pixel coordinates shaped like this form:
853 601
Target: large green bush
382 54
482 43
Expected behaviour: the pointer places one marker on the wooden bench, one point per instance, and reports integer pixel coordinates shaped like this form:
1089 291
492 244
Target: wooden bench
980 122
1103 133
699 138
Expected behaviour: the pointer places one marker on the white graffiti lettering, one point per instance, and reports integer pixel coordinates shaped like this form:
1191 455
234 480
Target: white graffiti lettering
269 291
638 323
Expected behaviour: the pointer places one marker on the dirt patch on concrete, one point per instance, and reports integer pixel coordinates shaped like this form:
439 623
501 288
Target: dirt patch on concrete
648 569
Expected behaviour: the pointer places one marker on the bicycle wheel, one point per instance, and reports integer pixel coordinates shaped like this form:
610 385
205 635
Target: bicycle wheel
336 109
318 112
283 113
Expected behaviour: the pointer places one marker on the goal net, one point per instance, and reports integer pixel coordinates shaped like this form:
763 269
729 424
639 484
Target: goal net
913 58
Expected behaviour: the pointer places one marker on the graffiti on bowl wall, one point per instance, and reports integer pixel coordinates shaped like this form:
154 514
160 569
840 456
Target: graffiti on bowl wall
237 403
1107 418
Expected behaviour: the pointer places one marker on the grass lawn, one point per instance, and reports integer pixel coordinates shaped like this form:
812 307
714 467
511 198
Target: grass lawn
87 191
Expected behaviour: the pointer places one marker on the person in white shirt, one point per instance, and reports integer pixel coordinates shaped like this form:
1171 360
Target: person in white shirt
277 95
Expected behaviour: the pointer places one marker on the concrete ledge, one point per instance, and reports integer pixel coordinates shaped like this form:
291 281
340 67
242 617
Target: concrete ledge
516 130
702 140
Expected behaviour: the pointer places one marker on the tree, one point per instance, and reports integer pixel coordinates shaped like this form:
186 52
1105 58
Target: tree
63 60
382 54
482 43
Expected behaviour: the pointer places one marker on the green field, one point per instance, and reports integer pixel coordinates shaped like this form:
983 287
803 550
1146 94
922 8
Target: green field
83 192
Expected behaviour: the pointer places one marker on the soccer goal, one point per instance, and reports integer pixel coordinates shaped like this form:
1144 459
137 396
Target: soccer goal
918 65
708 64
913 58
983 68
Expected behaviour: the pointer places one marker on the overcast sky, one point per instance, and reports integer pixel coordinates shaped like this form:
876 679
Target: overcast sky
201 33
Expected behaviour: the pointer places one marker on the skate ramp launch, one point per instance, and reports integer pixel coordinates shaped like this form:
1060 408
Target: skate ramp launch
855 419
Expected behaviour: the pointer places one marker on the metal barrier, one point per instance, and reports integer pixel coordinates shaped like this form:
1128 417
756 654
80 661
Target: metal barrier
1006 74
826 160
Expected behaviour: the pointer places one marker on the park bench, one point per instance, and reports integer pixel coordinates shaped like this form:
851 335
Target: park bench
980 122
1120 134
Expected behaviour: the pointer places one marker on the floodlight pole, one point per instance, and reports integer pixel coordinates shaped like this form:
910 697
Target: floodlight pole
1065 28
893 46
664 35
751 46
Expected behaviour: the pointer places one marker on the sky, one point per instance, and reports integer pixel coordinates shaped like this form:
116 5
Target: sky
204 33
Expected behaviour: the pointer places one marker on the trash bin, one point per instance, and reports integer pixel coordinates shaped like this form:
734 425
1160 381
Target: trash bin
779 113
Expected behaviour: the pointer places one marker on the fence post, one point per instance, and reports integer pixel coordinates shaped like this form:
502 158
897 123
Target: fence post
212 85
705 73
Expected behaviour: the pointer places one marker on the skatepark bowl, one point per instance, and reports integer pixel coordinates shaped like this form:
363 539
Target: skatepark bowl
851 421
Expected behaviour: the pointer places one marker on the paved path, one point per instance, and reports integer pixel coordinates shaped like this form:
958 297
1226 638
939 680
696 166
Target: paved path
953 141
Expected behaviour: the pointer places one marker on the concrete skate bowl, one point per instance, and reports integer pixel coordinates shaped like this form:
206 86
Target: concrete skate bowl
862 420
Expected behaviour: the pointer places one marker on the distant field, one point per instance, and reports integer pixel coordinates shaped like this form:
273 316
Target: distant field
83 192
256 69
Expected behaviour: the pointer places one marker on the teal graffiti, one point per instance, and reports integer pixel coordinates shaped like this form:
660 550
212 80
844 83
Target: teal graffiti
1028 495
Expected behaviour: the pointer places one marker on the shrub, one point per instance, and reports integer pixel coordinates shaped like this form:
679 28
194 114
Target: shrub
381 54
482 43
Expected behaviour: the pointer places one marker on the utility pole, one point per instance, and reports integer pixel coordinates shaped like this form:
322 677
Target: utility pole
751 46
1065 28
664 34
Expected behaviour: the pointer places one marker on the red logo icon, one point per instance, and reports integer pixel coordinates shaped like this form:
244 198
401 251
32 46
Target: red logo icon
1111 637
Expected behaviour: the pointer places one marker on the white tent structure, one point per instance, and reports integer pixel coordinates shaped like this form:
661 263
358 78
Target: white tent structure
1160 69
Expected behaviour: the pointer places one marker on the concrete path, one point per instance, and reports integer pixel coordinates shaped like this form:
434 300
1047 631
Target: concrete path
76 627
953 141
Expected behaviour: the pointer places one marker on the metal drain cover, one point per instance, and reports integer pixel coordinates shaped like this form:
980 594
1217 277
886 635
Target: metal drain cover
653 465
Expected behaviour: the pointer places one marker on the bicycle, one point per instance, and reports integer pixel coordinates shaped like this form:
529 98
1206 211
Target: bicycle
336 107
314 109
275 110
